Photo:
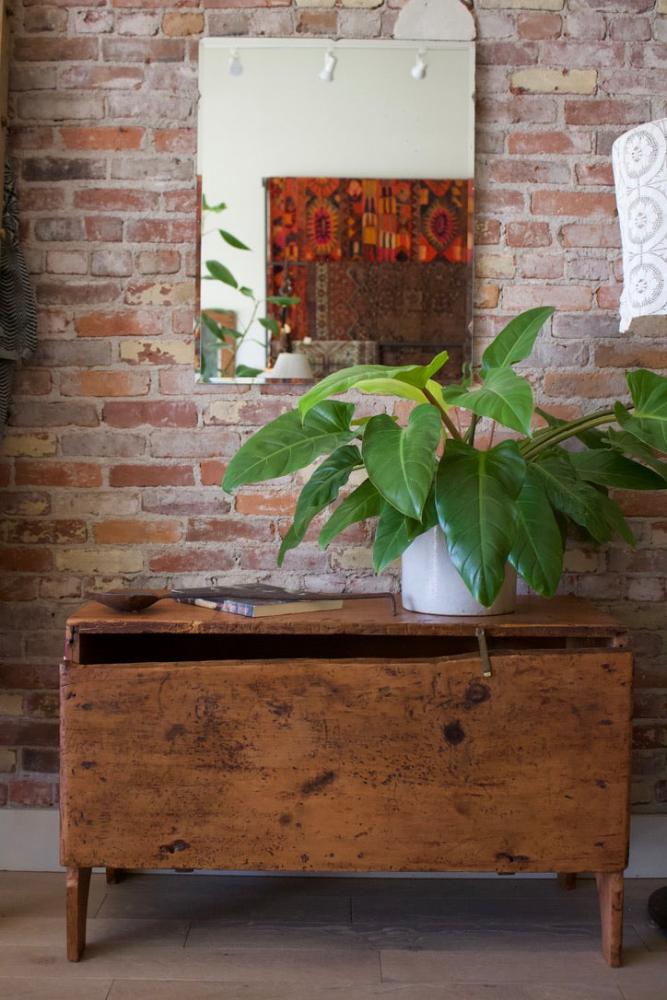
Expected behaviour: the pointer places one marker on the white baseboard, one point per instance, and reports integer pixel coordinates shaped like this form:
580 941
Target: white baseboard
29 842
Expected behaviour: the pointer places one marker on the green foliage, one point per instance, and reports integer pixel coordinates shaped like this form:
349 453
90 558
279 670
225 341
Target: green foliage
400 461
511 503
233 339
474 497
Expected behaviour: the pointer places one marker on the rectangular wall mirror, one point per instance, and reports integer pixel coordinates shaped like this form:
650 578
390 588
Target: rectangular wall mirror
345 171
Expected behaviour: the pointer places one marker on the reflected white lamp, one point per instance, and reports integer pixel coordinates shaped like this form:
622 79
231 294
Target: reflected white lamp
640 174
292 365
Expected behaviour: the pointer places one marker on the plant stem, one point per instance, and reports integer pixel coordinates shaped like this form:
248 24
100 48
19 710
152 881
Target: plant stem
451 427
557 434
470 436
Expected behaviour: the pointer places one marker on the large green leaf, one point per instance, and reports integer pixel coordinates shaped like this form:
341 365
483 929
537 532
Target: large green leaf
363 502
567 493
348 378
233 241
628 444
504 396
515 342
221 273
400 461
615 520
321 489
537 554
475 496
393 534
648 422
609 468
288 444
391 387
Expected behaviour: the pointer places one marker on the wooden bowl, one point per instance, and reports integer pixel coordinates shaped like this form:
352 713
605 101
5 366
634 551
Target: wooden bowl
127 600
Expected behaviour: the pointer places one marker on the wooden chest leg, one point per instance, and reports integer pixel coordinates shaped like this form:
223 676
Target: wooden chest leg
78 883
610 893
567 880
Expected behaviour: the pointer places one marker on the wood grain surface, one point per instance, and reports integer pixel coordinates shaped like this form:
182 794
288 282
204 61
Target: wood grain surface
563 616
364 765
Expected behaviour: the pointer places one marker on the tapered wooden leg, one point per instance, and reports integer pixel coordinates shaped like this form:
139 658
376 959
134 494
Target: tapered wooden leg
78 883
567 880
114 875
610 892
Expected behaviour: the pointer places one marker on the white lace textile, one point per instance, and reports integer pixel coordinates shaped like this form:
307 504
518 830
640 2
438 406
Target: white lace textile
640 173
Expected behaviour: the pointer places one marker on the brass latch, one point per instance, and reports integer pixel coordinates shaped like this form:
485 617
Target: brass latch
483 651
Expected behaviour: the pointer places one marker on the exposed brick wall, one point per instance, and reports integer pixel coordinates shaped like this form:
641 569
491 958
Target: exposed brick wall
112 463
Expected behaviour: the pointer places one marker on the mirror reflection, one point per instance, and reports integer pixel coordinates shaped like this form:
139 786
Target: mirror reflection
336 222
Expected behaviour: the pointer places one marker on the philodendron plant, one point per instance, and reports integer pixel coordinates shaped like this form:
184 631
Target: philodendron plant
512 502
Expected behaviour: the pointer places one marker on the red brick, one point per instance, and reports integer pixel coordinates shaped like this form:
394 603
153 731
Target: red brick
54 473
14 559
116 200
528 234
32 382
549 142
156 414
42 705
539 25
92 76
595 173
40 761
151 475
263 504
537 171
199 558
57 50
582 204
598 235
96 383
317 22
84 293
102 138
128 532
143 50
103 228
159 262
180 201
631 354
600 111
28 792
220 529
494 53
28 676
175 140
212 472
121 323
18 588
487 231
37 531
571 298
584 385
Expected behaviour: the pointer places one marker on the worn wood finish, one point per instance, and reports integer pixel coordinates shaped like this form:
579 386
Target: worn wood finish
78 884
610 892
565 617
307 766
351 741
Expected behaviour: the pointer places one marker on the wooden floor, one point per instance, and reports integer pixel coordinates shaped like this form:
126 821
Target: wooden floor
209 937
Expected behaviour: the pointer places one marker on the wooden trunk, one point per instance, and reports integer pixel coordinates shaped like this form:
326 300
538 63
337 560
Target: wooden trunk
311 755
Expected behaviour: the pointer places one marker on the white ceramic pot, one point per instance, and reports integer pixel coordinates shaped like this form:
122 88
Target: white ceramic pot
430 582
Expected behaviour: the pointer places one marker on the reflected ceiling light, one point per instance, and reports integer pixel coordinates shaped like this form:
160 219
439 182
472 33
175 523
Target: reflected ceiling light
418 71
235 64
327 71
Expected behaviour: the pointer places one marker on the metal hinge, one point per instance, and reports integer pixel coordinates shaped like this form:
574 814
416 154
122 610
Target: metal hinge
480 634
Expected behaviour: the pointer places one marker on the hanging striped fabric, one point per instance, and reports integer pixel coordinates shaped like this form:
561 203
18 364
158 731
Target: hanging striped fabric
18 307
